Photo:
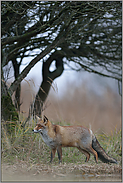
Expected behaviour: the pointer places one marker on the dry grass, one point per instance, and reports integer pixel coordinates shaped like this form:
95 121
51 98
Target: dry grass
81 107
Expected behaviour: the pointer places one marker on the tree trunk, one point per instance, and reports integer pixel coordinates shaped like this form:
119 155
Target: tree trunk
16 67
48 78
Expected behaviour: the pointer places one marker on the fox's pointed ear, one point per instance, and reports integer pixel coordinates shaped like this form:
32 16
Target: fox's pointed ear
38 118
45 119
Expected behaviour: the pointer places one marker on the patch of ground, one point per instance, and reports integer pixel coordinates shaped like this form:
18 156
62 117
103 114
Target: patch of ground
22 171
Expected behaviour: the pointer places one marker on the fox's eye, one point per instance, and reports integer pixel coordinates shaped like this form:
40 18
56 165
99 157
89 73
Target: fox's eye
39 126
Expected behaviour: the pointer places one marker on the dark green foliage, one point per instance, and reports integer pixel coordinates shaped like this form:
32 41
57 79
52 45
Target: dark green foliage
9 109
9 113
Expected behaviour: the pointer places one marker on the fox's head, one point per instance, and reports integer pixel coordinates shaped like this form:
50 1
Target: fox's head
41 125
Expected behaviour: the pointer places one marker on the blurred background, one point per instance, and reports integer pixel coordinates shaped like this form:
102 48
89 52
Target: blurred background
77 98
66 56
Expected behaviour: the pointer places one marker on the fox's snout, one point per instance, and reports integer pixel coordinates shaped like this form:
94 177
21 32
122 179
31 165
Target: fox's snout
35 131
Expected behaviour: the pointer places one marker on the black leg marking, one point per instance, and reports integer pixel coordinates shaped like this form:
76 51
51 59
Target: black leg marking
59 151
51 157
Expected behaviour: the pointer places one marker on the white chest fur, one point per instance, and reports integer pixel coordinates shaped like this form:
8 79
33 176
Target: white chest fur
48 140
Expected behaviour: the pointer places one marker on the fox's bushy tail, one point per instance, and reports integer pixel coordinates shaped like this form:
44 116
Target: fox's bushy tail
103 156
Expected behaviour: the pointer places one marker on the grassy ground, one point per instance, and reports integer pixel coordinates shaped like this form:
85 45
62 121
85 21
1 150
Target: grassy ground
29 147
26 157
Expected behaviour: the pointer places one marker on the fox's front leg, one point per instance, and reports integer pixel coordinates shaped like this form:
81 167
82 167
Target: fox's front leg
59 151
53 151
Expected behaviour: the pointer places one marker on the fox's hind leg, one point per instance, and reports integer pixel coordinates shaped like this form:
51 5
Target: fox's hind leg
53 151
91 150
87 154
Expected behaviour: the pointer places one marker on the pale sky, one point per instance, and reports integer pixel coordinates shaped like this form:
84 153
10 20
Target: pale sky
94 82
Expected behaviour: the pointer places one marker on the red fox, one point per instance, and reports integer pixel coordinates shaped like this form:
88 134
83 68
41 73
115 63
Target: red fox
56 137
